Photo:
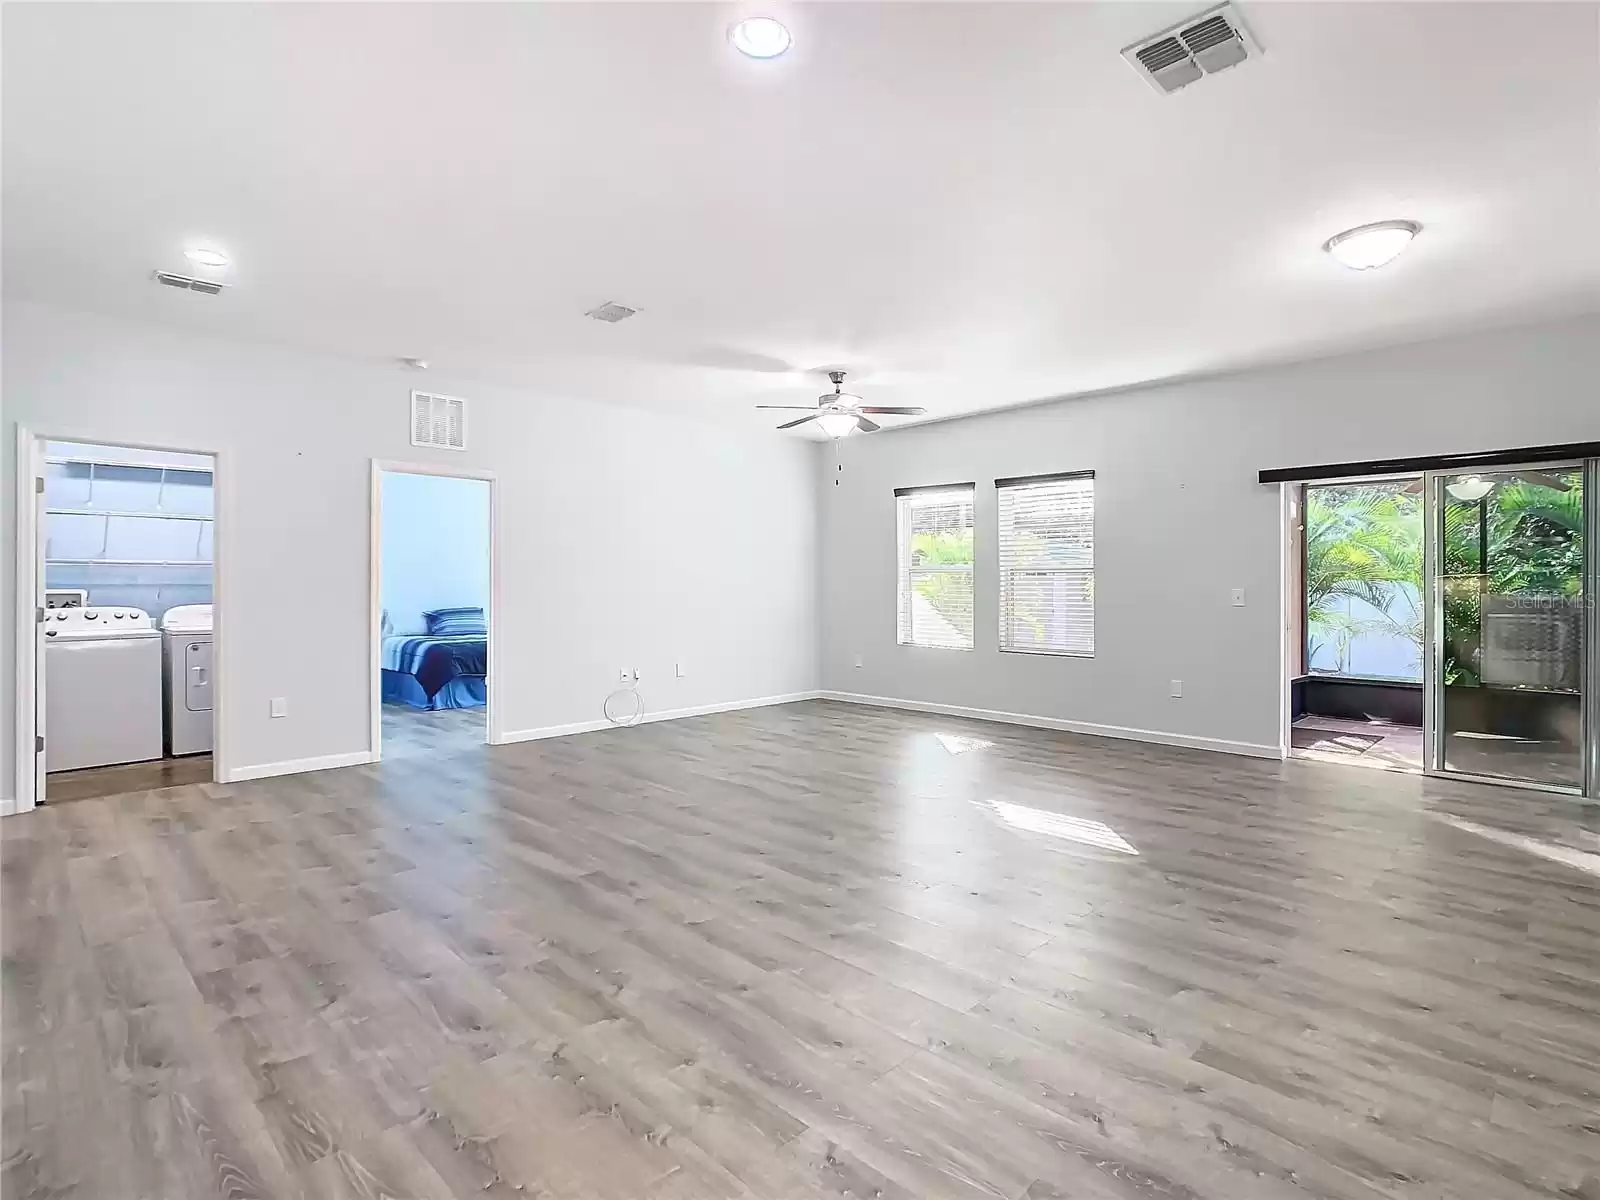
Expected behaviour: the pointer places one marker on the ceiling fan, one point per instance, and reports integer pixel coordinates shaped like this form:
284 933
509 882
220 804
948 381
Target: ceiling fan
838 412
1471 488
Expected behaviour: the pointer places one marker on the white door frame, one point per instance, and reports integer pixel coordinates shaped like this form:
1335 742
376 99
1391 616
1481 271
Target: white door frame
494 735
29 596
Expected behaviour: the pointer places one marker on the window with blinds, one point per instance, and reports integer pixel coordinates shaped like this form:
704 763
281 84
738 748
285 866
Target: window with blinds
1047 564
934 592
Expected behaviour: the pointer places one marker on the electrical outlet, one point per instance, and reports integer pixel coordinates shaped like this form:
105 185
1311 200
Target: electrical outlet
1177 688
1238 597
280 706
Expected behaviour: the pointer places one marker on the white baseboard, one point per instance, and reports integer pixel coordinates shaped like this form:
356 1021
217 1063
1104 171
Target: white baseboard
1126 733
671 714
8 806
295 766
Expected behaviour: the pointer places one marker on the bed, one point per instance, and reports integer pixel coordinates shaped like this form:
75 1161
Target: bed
446 667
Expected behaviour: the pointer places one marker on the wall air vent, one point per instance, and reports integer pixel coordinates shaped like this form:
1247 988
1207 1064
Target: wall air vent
1203 45
205 287
611 312
438 421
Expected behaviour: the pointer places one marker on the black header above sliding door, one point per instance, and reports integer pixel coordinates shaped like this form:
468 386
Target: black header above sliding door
1435 462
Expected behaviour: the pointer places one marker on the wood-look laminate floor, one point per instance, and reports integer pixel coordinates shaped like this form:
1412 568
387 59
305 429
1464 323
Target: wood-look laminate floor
93 782
408 732
809 951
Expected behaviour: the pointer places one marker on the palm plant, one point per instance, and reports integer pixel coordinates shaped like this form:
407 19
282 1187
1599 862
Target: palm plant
1362 542
1532 534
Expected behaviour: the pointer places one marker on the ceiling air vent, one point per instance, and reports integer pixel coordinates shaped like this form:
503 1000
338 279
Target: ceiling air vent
611 312
438 421
205 287
1203 45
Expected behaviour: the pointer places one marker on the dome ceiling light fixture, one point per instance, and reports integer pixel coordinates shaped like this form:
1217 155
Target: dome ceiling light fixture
1470 489
760 37
1374 245
207 256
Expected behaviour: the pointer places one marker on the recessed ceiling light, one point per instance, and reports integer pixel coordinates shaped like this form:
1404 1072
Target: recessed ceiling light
760 37
1368 246
205 256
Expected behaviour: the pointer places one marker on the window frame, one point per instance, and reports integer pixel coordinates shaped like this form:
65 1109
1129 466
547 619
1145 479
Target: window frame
903 570
1003 573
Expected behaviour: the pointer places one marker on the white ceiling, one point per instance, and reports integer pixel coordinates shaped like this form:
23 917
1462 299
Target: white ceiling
972 205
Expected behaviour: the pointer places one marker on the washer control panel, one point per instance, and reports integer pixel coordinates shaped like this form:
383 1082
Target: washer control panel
99 619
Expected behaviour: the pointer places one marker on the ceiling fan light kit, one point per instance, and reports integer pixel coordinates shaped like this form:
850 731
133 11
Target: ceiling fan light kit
839 414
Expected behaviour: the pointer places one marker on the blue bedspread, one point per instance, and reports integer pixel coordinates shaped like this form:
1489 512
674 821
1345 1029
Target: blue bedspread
437 662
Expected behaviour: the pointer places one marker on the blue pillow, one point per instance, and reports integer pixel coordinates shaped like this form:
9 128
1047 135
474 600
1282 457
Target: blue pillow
456 622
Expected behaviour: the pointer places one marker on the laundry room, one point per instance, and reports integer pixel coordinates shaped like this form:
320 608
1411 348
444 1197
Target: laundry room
126 630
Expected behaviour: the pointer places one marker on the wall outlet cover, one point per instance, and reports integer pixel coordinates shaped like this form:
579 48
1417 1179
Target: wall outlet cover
280 706
1177 688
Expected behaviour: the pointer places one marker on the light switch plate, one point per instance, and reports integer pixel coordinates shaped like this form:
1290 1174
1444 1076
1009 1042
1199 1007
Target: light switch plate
1177 688
280 706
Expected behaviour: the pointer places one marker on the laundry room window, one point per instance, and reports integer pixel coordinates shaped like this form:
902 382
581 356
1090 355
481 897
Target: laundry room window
128 527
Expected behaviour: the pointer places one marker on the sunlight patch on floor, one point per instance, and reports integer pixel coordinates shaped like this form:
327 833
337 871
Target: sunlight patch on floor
1076 829
959 744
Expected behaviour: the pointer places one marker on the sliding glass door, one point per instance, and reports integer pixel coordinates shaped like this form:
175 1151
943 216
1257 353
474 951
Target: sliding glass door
1511 658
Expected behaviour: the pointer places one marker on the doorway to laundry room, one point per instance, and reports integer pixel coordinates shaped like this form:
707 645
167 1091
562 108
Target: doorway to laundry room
433 588
125 630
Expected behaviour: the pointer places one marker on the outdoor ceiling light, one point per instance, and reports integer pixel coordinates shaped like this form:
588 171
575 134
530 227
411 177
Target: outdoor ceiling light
206 256
760 37
1369 246
1469 490
837 424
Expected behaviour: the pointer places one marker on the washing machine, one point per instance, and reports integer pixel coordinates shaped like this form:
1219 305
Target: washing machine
186 654
102 687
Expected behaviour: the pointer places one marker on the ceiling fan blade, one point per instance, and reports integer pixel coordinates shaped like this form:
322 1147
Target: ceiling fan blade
893 412
791 407
801 421
1545 479
867 426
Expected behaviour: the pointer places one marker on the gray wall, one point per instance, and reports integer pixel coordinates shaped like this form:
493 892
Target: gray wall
1180 520
630 538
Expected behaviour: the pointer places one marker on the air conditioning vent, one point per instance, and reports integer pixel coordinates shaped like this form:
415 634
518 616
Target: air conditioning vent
438 421
611 312
205 287
1203 45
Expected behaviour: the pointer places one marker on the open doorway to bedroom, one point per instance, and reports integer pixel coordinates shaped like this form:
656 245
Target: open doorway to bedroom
433 584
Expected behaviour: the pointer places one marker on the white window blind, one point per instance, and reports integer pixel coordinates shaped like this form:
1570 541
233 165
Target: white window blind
1047 564
934 591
